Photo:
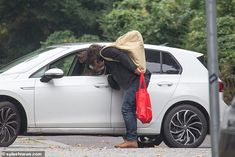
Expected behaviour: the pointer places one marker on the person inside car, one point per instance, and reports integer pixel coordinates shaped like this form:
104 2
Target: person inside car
83 68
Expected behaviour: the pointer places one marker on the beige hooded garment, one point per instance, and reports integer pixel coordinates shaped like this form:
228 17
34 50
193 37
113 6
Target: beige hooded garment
132 43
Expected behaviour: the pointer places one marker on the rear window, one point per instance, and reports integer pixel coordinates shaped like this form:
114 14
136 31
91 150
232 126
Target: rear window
202 59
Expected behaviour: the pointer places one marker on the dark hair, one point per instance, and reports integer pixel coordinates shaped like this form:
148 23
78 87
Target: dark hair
93 53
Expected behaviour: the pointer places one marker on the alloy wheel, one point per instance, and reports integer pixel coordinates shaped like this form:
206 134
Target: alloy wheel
8 125
186 127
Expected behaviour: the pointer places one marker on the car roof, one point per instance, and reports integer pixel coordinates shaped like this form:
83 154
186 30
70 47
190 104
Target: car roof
148 46
75 46
173 50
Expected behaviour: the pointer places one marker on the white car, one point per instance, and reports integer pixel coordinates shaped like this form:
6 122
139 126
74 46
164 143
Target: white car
45 92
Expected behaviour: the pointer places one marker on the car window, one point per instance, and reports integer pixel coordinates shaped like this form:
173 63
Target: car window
202 59
81 67
169 65
39 73
153 61
161 62
72 65
64 64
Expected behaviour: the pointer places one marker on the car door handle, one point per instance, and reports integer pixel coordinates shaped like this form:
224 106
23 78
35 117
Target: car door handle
101 85
165 84
27 88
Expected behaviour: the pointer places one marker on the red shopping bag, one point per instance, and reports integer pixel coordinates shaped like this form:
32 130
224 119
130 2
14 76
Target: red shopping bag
143 104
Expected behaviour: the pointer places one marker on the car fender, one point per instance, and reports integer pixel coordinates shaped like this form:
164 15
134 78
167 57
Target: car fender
29 109
183 98
158 122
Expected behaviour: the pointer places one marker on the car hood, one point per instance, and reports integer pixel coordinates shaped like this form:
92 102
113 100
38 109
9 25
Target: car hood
7 77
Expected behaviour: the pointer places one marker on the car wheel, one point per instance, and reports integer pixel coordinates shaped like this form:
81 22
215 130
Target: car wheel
184 126
9 123
149 141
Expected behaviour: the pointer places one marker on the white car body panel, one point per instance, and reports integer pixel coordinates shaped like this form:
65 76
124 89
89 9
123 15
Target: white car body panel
68 106
19 90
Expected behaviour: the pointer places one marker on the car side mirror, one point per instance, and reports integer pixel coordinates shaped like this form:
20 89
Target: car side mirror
50 74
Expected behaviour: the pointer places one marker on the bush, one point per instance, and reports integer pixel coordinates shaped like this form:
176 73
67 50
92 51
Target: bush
67 36
59 37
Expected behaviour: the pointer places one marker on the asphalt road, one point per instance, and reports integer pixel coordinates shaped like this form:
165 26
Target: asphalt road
98 141
98 146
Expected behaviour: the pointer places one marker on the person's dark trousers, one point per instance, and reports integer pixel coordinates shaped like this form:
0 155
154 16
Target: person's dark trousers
129 109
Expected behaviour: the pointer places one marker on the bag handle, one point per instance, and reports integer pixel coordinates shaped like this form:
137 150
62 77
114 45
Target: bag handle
142 81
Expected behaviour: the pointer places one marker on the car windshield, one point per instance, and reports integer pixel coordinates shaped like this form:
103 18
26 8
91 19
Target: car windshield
23 59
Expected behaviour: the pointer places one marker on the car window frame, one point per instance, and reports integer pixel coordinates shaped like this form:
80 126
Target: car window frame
54 61
70 55
176 61
161 61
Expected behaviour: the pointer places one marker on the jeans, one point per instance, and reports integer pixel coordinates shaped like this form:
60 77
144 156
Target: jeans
129 109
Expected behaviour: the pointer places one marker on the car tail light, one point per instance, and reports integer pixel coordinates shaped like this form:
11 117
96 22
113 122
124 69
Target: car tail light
221 86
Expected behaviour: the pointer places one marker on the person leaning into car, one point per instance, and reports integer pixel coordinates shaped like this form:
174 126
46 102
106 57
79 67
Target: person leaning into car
126 74
84 69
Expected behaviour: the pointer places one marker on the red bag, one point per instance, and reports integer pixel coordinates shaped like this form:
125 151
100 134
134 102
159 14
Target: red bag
143 104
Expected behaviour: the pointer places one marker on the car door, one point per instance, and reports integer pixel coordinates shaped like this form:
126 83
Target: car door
164 80
72 101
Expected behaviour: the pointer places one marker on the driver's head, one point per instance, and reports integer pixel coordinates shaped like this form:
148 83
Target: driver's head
93 53
82 56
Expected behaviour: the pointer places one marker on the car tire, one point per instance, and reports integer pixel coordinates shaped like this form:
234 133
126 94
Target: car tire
185 126
9 123
149 141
